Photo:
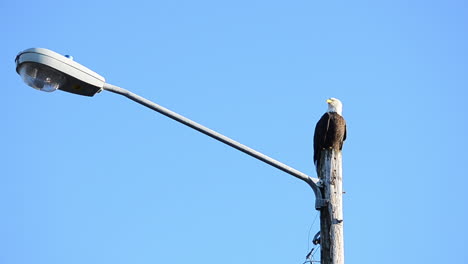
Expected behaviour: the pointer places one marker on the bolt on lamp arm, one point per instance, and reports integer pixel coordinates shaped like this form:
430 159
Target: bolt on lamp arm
313 182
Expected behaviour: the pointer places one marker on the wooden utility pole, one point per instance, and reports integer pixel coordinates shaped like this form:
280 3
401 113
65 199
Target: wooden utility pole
331 215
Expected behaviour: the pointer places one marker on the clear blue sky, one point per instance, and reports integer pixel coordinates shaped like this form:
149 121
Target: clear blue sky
104 180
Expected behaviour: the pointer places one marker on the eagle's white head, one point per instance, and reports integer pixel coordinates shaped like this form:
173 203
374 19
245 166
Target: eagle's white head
335 105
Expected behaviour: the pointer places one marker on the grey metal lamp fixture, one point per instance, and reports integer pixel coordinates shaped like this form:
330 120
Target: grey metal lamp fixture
48 71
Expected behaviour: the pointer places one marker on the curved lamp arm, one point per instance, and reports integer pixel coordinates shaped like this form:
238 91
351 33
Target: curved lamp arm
313 182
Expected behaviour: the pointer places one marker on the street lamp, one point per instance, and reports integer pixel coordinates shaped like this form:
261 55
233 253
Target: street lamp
48 71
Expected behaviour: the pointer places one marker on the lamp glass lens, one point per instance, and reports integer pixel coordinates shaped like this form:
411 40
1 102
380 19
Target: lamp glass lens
41 77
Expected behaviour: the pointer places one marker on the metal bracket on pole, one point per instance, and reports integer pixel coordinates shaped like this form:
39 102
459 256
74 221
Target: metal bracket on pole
313 182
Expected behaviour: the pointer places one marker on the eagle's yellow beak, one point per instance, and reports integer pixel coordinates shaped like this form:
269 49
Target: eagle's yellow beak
329 101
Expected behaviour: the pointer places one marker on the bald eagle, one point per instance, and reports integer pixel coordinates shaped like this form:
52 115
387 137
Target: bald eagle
330 131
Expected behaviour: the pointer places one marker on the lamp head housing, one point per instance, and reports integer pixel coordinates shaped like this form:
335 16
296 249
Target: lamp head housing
48 71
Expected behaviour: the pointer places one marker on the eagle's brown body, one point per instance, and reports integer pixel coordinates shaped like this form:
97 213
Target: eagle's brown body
330 132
